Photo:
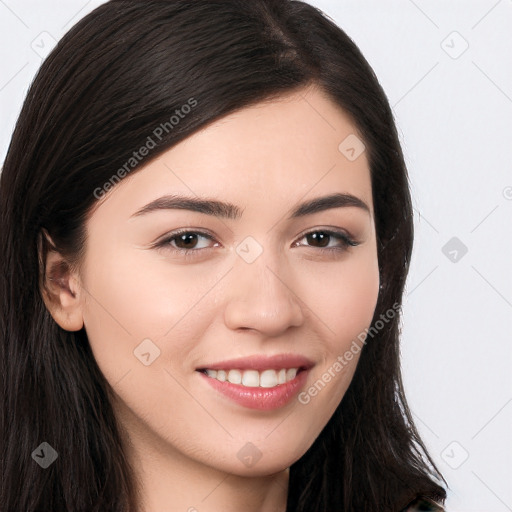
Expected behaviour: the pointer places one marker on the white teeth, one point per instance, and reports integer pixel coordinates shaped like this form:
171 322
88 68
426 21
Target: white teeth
290 373
253 378
268 379
235 376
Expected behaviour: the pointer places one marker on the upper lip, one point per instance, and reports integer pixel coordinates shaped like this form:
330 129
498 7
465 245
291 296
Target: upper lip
259 363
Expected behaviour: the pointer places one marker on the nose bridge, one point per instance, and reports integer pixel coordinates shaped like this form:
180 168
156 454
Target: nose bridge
261 297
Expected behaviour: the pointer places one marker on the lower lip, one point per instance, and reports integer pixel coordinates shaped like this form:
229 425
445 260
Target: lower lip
263 399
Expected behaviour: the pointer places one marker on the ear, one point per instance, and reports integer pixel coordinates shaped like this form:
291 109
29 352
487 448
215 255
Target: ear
59 286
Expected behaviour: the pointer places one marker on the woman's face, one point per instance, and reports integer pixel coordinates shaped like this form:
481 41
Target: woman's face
267 280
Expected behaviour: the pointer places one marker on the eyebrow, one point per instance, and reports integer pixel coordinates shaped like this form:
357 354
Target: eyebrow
230 211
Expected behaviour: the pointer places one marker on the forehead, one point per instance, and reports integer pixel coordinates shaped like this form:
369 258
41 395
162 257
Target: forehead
275 151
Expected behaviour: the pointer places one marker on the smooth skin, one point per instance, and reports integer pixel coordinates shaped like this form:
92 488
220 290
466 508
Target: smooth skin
295 297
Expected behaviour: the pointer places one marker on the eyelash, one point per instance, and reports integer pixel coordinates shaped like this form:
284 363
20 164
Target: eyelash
346 240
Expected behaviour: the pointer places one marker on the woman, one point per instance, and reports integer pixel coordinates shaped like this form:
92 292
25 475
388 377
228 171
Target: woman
207 228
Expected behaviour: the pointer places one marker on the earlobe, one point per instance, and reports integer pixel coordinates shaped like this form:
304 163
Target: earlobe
60 289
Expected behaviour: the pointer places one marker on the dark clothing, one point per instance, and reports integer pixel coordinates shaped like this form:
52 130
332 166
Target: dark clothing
423 505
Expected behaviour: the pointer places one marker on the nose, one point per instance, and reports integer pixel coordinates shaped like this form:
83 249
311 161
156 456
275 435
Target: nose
261 298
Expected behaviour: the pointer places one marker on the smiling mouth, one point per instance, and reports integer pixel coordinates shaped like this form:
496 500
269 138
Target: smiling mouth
270 378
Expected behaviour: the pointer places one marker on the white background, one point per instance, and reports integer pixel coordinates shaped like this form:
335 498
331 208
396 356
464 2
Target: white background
453 107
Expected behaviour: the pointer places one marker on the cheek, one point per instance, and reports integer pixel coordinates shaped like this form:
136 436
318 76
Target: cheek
343 297
151 310
130 301
343 300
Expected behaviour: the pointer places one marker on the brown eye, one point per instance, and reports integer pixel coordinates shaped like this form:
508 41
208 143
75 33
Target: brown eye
319 237
186 242
322 238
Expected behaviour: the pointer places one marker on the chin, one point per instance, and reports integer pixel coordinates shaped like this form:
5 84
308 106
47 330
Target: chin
263 459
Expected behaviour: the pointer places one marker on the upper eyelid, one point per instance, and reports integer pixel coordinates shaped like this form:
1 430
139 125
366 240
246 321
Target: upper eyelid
331 230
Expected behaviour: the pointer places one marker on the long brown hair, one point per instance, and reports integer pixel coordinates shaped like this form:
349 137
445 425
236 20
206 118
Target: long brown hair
119 73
